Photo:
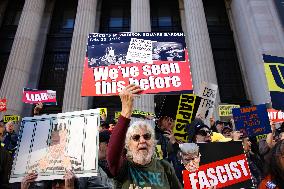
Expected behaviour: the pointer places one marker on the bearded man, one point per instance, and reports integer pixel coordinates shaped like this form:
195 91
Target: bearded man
130 153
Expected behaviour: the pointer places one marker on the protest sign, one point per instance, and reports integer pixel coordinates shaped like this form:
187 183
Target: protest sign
208 93
252 120
34 96
259 137
274 70
8 118
137 114
103 111
116 115
275 115
3 105
226 169
52 144
187 109
158 62
226 110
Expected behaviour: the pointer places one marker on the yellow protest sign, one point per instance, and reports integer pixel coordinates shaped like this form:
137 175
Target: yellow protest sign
103 111
8 118
259 137
226 110
116 115
159 152
184 116
275 76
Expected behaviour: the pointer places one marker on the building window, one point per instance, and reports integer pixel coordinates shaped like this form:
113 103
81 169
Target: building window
57 50
115 16
63 19
7 32
280 8
227 67
165 16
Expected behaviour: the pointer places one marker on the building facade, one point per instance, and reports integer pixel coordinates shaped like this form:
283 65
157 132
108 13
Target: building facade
43 44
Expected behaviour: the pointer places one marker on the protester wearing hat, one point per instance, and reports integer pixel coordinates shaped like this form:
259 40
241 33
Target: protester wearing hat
227 131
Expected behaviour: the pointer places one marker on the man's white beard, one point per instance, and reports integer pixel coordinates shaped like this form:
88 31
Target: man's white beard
142 157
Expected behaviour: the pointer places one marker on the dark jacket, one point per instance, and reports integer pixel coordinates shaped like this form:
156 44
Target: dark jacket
10 141
5 167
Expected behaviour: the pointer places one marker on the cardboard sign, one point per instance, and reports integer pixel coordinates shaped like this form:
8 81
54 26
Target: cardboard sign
274 70
51 144
137 114
208 93
158 62
275 115
185 114
226 110
226 169
8 118
3 105
34 96
252 120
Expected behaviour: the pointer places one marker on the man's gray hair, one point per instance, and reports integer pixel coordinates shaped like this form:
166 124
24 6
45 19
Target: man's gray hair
136 126
189 148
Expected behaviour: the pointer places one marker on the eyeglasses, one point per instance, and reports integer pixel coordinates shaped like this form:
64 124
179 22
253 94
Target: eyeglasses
146 136
204 132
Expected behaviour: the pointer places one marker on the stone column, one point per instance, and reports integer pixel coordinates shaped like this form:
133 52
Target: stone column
257 31
199 46
19 65
140 16
141 22
84 24
3 6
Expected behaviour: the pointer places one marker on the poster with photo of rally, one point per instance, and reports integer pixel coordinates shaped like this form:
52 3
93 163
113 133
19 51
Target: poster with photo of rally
51 144
158 62
226 169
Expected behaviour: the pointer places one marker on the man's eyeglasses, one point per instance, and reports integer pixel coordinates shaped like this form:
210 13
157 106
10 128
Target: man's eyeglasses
146 136
204 132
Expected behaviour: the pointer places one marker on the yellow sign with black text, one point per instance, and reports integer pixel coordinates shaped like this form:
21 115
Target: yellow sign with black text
226 110
184 116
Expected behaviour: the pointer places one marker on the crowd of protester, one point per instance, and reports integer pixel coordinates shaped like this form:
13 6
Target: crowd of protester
128 153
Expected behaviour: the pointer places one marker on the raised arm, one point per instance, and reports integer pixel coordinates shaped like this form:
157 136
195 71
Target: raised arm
115 148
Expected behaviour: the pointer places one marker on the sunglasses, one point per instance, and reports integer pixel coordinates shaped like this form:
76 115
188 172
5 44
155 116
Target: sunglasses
204 132
146 136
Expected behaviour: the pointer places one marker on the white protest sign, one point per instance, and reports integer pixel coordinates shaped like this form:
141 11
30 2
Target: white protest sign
208 93
139 50
52 144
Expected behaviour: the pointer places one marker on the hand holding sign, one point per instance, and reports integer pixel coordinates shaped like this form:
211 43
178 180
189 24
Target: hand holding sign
127 97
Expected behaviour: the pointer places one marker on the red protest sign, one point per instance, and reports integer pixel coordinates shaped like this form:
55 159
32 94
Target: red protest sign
3 104
226 169
275 115
221 174
33 96
158 63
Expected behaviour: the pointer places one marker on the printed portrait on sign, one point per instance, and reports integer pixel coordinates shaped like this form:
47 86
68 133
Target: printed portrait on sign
56 158
52 144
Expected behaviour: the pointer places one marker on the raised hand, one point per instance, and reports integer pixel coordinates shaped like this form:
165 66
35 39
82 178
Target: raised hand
127 97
